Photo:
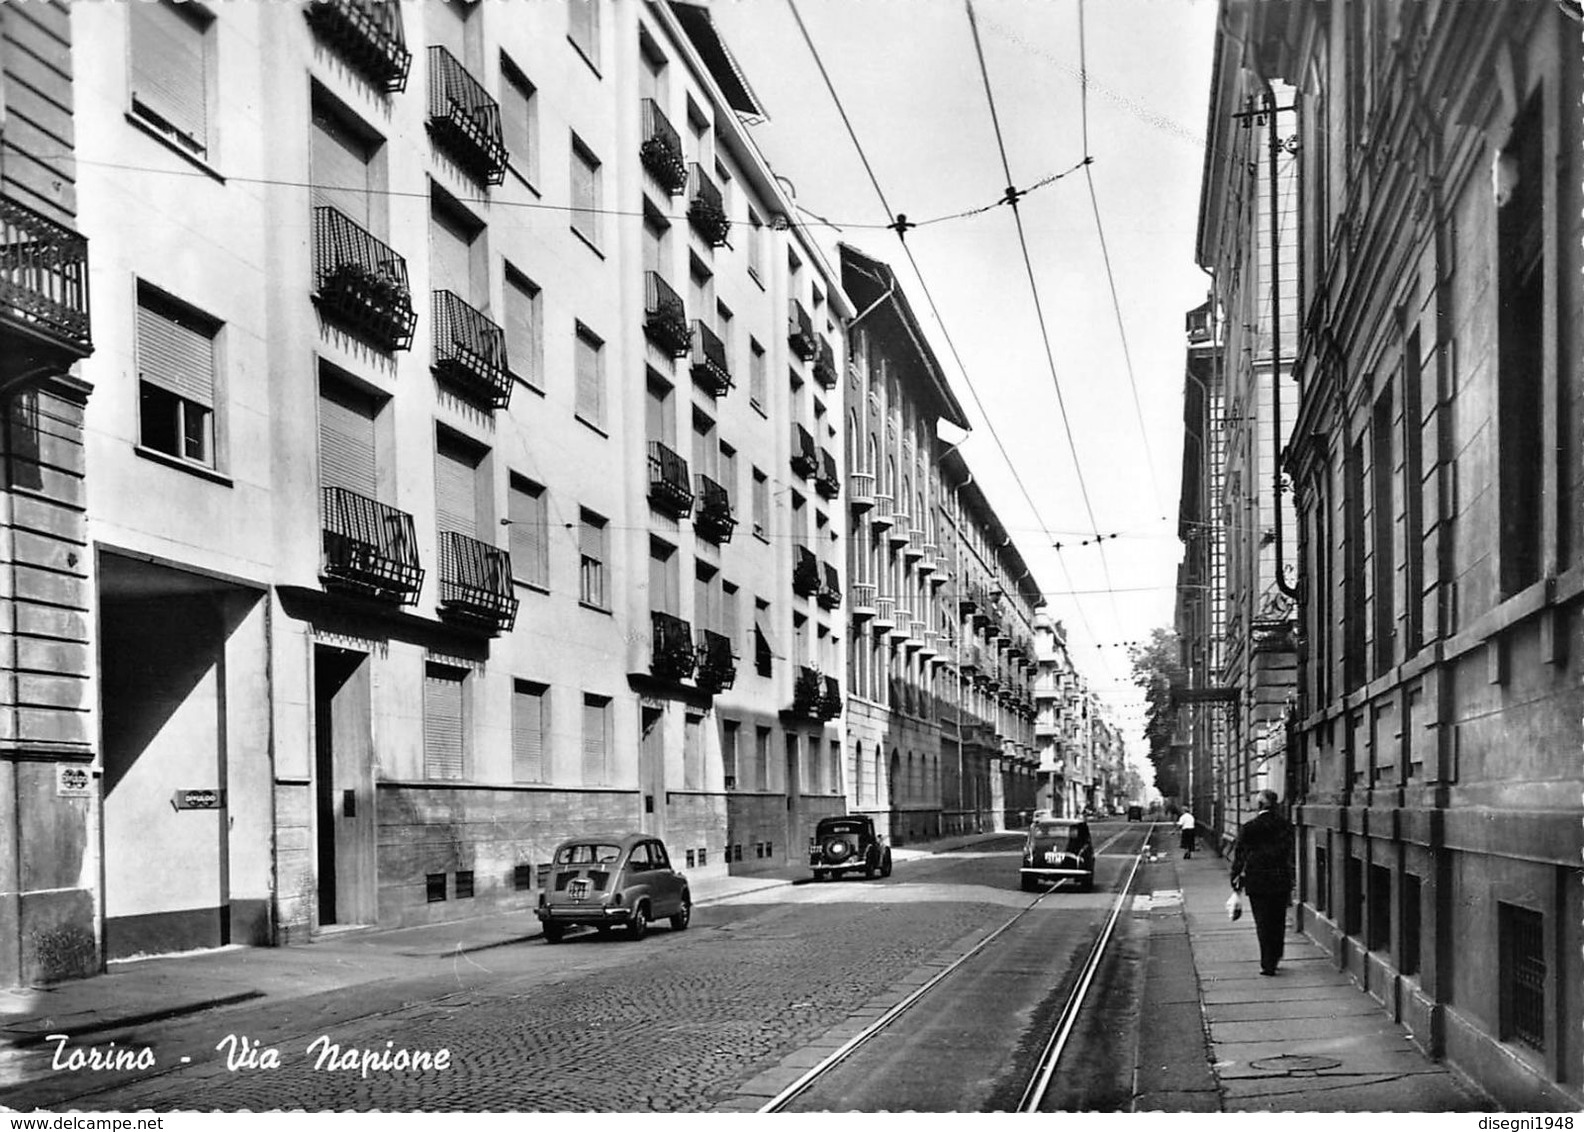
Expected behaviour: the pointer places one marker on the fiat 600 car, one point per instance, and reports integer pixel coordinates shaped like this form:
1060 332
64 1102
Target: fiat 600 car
609 882
1058 848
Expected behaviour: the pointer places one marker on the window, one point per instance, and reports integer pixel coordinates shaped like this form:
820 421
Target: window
730 623
665 579
1410 925
592 548
528 514
347 434
585 189
176 378
596 740
755 246
519 111
728 472
445 723
756 375
761 504
764 649
589 374
1382 476
583 29
761 759
524 328
464 884
457 464
693 752
730 730
434 887
1523 975
1352 896
172 48
457 253
530 728
342 166
1380 907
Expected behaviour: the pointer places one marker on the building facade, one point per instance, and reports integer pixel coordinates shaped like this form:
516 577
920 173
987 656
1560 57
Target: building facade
1438 475
468 448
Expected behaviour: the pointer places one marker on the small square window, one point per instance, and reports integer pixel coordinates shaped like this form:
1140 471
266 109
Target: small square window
522 878
435 887
464 884
690 858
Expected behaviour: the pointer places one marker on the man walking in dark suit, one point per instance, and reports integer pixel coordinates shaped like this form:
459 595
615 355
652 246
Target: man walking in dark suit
1262 868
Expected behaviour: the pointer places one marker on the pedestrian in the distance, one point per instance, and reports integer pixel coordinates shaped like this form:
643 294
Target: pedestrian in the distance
1185 824
1262 869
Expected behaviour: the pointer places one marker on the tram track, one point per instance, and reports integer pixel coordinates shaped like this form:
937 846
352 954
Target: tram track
1039 1081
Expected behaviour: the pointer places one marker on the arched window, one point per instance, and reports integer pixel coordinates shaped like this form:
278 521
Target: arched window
892 797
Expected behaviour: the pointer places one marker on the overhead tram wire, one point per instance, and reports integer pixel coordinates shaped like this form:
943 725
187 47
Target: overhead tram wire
901 225
1105 255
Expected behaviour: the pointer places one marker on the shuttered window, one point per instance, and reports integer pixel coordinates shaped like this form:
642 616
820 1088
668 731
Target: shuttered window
728 622
456 498
585 191
450 255
591 549
170 70
590 403
530 726
339 166
346 439
664 582
693 753
583 28
530 532
445 22
523 328
518 120
176 388
596 740
443 722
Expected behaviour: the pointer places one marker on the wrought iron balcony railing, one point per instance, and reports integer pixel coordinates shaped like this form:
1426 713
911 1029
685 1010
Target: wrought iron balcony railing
665 317
825 364
672 655
670 487
476 583
830 595
717 666
706 207
805 572
800 331
369 548
831 699
828 481
470 351
360 284
714 519
805 456
368 35
808 693
661 150
464 120
863 600
710 365
860 490
43 283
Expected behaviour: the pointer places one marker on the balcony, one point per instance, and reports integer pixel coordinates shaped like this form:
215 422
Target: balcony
368 35
805 572
919 628
706 208
464 120
470 352
800 331
825 364
665 318
863 601
829 595
670 487
828 482
885 614
661 151
968 599
830 706
1047 729
969 662
915 543
714 520
930 559
369 548
808 693
711 368
904 622
931 647
476 583
672 655
43 293
360 284
805 457
860 490
717 667
880 519
899 526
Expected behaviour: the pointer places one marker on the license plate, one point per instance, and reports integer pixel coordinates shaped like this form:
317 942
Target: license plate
1052 857
578 890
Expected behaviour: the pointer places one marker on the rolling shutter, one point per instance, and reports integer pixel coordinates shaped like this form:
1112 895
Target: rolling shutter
522 346
528 729
339 164
529 536
176 357
442 723
589 399
168 67
449 257
445 23
593 742
346 440
456 503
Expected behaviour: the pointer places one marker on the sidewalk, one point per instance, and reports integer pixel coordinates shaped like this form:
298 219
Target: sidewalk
1217 1037
133 992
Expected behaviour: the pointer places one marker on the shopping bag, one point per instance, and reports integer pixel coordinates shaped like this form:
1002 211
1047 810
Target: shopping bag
1234 907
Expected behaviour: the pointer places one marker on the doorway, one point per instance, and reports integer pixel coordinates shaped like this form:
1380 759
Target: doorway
343 787
651 771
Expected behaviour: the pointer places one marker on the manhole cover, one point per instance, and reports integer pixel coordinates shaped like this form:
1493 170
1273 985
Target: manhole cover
1296 1063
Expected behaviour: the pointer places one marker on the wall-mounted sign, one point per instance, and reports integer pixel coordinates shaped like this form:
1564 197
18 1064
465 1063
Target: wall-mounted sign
72 782
198 799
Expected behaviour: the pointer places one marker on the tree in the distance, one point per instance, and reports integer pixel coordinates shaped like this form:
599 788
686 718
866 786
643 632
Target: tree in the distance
1156 667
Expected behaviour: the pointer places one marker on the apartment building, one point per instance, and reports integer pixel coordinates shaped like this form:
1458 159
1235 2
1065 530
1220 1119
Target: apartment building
988 732
462 374
1438 474
1055 721
903 621
47 886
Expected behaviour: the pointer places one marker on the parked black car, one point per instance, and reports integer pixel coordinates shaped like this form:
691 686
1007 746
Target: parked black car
1135 813
1055 849
848 845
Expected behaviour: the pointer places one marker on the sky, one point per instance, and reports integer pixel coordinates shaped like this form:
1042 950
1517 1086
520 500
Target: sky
907 74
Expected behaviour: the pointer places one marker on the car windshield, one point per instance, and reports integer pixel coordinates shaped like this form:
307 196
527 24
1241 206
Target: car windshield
1075 834
588 853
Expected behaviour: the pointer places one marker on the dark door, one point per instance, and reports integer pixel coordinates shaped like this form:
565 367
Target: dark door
343 787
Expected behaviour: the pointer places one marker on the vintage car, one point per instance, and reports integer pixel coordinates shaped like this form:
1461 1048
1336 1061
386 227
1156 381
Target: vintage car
1135 812
610 882
848 845
1057 849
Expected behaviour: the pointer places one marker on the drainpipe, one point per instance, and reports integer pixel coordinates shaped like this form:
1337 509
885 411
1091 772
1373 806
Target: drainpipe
1276 391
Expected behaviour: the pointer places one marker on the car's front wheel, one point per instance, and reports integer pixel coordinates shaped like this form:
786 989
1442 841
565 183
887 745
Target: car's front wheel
638 922
679 922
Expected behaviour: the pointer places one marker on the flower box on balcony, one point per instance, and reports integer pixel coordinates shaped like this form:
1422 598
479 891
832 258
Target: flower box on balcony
665 317
360 284
661 150
670 488
464 120
808 693
368 35
710 366
706 207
